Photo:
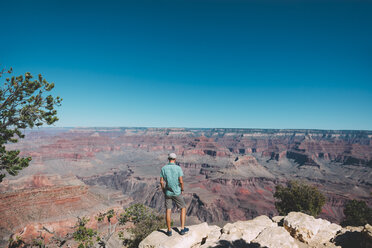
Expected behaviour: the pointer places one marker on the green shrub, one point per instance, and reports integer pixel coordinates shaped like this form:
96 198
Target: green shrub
357 213
136 213
145 222
298 197
83 235
18 242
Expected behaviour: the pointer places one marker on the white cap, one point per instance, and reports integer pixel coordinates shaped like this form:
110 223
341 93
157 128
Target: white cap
172 156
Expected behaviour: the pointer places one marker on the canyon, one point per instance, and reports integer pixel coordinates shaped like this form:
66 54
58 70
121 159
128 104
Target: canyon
229 174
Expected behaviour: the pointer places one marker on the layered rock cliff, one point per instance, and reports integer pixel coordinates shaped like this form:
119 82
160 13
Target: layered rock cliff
31 204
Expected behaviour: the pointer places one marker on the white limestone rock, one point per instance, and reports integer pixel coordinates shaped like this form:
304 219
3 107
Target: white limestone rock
246 230
352 229
367 235
275 237
367 230
212 238
191 239
278 219
310 230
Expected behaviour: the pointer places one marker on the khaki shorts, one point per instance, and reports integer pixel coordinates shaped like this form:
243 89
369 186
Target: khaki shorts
178 199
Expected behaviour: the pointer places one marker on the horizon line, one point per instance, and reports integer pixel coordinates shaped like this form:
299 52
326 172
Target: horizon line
209 128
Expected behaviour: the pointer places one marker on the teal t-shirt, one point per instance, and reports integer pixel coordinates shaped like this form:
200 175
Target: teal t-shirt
171 172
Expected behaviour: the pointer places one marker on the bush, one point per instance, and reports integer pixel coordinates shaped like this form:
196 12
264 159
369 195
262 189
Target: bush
298 197
83 235
357 213
145 222
18 242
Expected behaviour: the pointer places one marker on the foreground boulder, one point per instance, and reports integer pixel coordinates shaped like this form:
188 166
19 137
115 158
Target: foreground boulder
212 237
310 230
367 236
246 230
275 237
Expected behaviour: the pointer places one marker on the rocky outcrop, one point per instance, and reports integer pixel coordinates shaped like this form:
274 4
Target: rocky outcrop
367 236
246 230
212 238
308 229
301 158
195 236
299 231
276 237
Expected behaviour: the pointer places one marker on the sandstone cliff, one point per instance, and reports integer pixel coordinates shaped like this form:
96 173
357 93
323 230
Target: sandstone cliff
31 204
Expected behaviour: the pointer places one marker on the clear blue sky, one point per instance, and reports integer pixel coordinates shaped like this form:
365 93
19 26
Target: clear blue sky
248 64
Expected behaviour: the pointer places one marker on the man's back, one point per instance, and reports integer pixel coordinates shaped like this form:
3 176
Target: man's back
171 173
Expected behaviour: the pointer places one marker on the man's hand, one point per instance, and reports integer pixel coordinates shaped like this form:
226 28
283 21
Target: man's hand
180 180
162 185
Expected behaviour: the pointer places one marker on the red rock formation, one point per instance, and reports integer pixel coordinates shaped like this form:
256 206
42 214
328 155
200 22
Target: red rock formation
52 201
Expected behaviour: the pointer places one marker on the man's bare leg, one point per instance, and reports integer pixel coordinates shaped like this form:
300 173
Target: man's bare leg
183 217
168 218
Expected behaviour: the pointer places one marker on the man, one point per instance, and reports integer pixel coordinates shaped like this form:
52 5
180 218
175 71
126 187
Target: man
172 185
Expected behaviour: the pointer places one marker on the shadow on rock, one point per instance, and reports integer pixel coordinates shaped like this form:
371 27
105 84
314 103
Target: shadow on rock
349 240
241 243
174 229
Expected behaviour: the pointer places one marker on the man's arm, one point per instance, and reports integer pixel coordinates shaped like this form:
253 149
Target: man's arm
162 184
181 183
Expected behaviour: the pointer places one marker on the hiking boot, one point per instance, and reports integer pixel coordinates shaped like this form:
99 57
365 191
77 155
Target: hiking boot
184 231
169 233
